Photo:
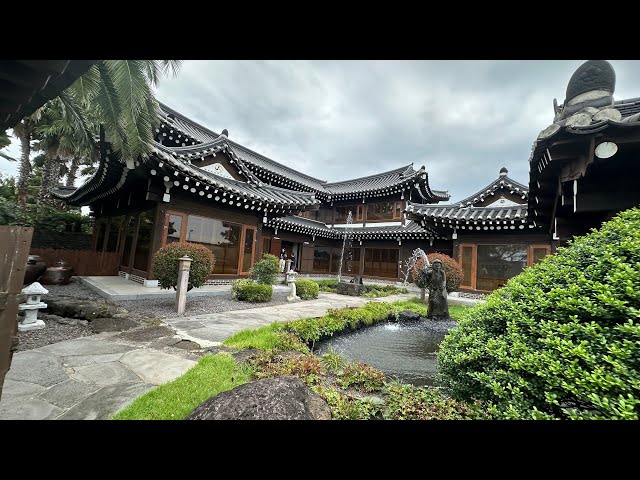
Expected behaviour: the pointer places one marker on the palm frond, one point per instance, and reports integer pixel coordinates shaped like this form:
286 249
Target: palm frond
172 66
109 111
87 86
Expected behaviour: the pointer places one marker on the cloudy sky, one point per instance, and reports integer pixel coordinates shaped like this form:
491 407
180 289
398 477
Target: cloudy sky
336 120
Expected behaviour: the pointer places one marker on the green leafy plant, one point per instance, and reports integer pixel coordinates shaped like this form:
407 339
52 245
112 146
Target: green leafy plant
562 338
373 291
266 270
165 264
332 361
362 376
247 290
307 289
406 402
344 407
452 270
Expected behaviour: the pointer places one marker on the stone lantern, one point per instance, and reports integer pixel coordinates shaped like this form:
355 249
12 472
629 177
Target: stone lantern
291 281
31 322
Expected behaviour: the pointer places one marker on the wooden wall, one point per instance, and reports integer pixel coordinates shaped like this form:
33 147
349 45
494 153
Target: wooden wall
84 262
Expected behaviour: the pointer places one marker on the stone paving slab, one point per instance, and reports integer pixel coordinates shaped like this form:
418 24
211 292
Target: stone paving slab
106 402
68 393
14 390
31 409
93 345
156 367
81 360
35 367
104 374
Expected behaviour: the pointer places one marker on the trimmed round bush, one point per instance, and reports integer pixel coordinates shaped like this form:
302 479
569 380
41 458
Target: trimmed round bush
266 270
452 270
165 264
247 290
307 289
561 339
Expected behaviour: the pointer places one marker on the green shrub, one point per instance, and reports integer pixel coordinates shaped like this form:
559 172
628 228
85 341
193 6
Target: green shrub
373 291
165 264
247 290
266 270
452 270
330 286
307 289
406 402
561 339
332 361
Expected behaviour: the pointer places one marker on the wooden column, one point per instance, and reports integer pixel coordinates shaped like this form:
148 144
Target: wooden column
14 251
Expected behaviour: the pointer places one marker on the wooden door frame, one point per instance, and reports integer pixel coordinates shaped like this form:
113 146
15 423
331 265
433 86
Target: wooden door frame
547 247
474 262
183 227
241 249
134 240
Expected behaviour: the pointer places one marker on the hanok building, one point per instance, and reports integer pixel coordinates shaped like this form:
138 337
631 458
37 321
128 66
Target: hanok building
200 186
491 237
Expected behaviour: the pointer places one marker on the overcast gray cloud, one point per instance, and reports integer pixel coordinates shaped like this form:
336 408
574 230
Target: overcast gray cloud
336 120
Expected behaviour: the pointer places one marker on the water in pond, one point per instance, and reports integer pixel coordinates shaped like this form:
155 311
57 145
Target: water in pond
405 350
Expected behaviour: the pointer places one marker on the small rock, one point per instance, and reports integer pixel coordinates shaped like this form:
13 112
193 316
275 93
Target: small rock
278 398
407 316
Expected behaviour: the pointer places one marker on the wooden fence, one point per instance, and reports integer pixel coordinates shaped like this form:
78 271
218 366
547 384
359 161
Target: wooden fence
84 262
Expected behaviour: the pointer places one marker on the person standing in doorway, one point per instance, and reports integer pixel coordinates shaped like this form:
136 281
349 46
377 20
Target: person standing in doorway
293 263
283 259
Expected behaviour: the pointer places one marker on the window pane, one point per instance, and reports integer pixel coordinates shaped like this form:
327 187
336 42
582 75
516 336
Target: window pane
248 249
381 211
539 253
467 252
343 212
321 257
101 230
114 234
498 263
381 262
174 227
128 241
143 243
222 238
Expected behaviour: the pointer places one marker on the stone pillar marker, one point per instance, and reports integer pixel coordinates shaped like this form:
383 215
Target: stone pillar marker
31 322
184 266
287 266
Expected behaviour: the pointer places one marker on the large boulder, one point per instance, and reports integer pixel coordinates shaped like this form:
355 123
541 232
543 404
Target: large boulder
278 398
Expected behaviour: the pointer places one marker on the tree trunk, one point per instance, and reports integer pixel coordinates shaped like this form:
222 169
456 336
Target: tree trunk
50 178
422 295
73 171
25 164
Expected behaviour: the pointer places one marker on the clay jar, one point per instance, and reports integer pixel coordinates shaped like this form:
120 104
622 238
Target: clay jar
35 266
57 275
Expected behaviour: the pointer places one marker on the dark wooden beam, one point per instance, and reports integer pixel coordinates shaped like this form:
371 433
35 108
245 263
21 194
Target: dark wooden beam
610 200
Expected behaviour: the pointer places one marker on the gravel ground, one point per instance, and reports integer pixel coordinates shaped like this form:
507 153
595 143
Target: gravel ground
165 308
75 289
52 333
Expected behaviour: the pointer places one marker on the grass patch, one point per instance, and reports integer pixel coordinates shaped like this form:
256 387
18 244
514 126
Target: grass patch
175 400
270 337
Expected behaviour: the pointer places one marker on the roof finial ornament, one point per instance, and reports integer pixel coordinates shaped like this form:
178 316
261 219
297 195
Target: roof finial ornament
225 132
503 172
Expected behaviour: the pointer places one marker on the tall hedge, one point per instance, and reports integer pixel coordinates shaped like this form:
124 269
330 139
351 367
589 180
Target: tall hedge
452 270
560 340
165 264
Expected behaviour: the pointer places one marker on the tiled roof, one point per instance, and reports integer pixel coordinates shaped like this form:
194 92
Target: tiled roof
469 217
313 227
502 182
195 141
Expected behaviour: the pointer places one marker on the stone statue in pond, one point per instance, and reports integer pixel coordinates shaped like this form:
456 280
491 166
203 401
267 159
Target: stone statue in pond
433 278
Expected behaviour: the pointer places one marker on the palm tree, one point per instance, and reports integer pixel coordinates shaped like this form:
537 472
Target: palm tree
118 95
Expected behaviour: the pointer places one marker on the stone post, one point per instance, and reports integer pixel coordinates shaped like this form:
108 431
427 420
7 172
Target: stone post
287 265
183 283
422 299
